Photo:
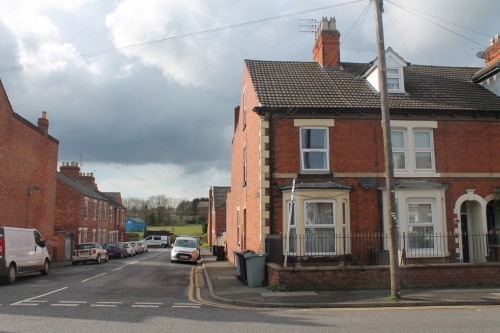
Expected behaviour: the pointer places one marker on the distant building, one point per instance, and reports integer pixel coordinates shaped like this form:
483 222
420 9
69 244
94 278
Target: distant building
83 213
217 214
202 209
28 160
134 224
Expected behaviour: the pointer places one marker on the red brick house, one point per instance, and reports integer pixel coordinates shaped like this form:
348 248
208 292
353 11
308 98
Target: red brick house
308 169
28 158
217 214
83 213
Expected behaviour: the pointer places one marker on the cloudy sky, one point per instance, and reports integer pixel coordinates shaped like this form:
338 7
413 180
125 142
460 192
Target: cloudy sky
143 92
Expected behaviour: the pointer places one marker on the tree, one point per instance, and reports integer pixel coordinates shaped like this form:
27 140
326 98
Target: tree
184 208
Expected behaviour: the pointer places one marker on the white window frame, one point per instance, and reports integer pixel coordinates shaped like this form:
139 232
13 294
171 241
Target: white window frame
395 73
86 208
405 197
416 224
333 226
410 128
95 209
325 151
399 150
424 150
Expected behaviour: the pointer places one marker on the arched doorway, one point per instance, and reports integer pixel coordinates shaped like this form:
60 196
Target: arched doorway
470 211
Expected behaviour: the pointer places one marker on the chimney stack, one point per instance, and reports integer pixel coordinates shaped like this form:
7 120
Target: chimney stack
493 51
70 169
43 123
88 179
326 51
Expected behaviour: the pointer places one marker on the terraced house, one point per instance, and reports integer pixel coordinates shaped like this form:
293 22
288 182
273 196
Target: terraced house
83 213
308 169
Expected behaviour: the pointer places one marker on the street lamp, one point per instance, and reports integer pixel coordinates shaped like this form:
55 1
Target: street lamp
31 188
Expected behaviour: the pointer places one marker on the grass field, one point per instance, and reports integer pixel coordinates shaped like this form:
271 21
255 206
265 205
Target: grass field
188 229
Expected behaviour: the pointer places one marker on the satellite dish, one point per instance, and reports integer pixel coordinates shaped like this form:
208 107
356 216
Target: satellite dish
481 55
367 182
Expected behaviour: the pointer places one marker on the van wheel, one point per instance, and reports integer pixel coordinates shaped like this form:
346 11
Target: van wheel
98 259
11 274
46 268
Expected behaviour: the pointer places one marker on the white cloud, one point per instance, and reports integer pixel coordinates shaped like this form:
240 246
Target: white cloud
151 179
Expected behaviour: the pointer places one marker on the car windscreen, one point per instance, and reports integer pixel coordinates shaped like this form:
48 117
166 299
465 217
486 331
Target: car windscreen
84 246
185 243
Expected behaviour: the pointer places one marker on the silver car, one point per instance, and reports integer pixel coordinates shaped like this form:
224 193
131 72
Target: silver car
185 249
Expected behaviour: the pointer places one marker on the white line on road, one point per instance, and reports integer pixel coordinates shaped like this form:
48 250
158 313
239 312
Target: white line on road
104 305
146 303
75 302
109 302
144 306
32 298
93 277
64 304
186 306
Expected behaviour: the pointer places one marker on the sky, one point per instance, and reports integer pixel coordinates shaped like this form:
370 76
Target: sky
143 92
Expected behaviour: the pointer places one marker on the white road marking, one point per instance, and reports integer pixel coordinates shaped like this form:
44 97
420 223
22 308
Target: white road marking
109 302
75 302
93 277
64 304
25 302
104 305
144 306
117 269
146 303
187 305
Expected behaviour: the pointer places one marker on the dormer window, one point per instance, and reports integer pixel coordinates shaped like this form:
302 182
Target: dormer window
394 72
394 79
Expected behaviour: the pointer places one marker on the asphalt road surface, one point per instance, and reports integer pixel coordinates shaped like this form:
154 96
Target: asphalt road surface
147 293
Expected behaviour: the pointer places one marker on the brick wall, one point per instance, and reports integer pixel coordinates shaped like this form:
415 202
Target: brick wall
28 158
377 277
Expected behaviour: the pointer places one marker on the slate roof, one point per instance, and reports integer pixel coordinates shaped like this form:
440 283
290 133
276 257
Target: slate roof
86 190
291 84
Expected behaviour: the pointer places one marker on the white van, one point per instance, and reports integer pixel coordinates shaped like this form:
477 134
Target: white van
22 251
157 240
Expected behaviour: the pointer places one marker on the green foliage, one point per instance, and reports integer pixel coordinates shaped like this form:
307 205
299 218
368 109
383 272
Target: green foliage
204 227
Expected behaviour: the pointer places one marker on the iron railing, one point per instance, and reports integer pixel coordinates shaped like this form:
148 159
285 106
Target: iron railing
372 248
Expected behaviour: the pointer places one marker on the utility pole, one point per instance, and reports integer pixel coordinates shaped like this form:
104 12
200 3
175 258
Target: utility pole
389 169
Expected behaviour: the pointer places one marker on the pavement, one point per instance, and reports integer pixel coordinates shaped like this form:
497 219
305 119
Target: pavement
224 287
219 282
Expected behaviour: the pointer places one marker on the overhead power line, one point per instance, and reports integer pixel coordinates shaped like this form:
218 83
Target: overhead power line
169 39
415 12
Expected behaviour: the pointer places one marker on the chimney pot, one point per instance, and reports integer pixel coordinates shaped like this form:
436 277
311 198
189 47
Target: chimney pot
326 50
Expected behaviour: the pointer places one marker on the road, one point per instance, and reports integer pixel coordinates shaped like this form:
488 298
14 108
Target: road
147 293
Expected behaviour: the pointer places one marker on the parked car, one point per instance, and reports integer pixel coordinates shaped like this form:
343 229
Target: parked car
157 240
185 249
89 252
116 250
137 247
22 251
131 251
143 246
